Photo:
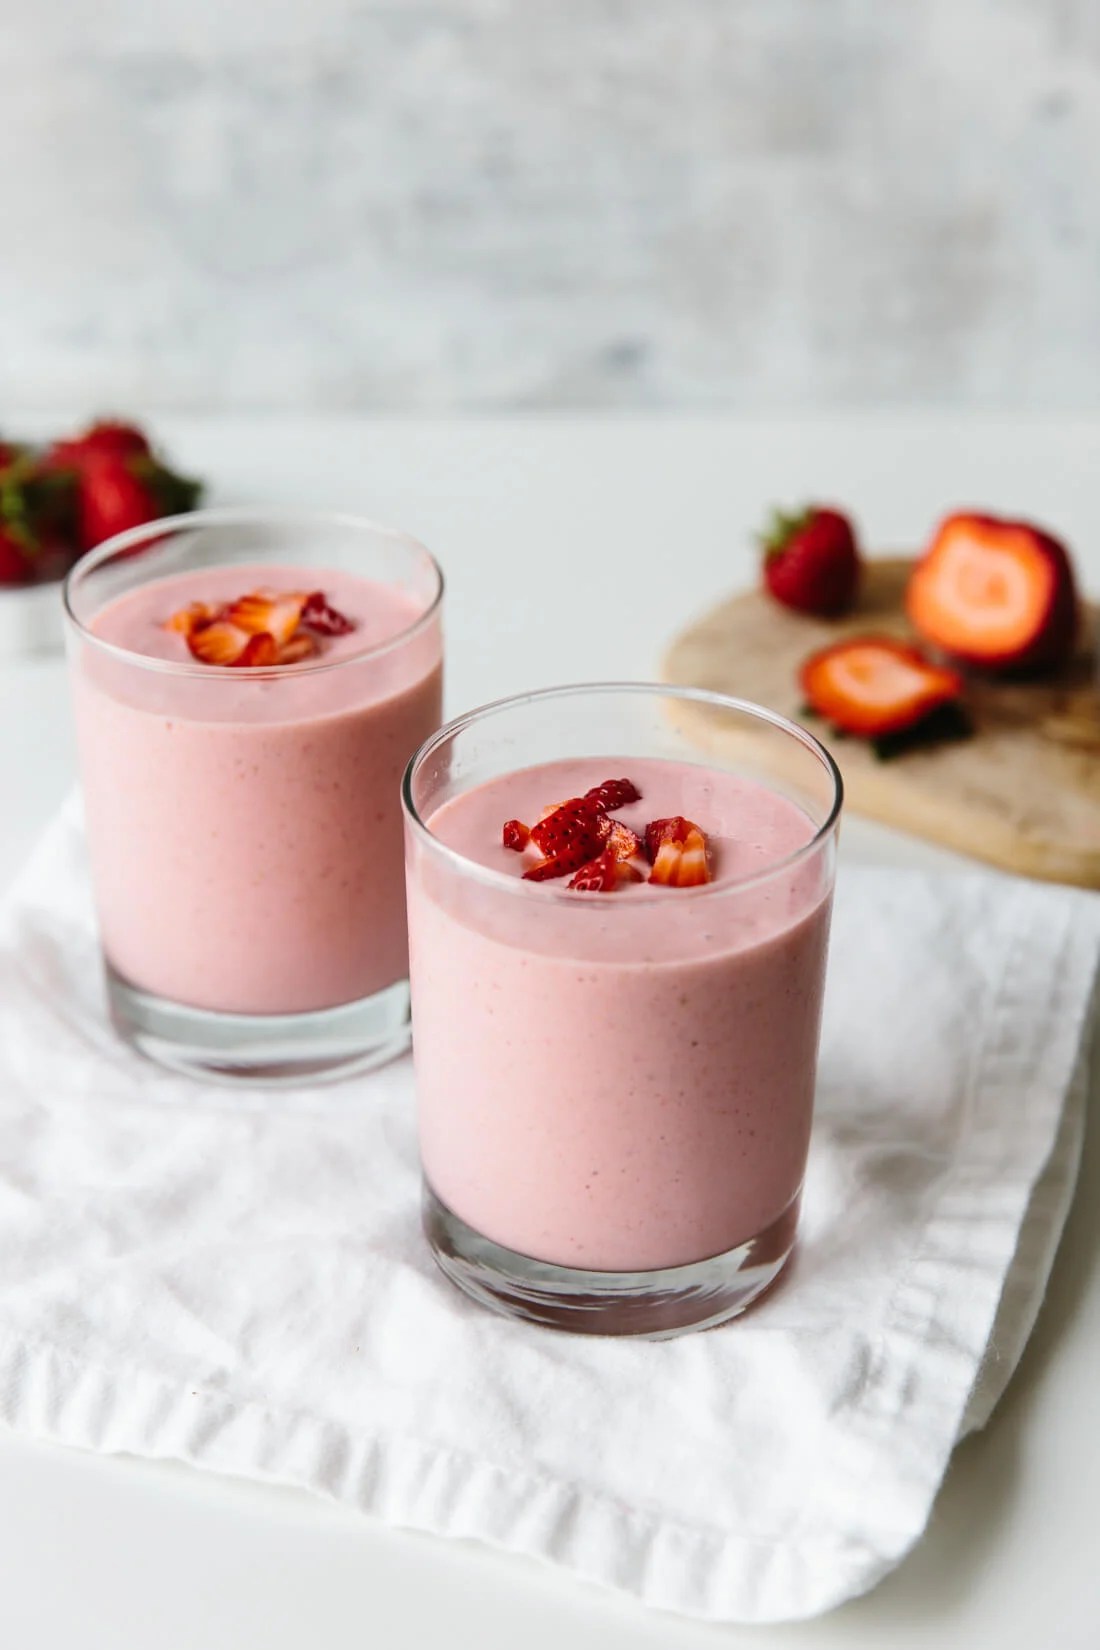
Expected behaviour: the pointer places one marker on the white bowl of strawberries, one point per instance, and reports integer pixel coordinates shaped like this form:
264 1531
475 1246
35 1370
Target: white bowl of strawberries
59 500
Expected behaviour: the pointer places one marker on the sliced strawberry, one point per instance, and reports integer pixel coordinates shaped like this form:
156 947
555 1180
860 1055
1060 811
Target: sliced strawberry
186 620
575 825
302 646
277 613
612 794
624 843
874 685
515 835
325 620
220 643
995 593
260 649
677 850
603 874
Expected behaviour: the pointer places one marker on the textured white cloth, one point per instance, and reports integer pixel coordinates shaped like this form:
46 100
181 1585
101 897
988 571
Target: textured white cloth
244 1286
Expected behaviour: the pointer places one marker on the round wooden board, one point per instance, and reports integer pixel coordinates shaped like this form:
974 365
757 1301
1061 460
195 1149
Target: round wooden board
1023 793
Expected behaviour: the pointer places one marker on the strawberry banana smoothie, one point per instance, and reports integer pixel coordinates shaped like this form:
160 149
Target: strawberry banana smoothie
616 1018
243 811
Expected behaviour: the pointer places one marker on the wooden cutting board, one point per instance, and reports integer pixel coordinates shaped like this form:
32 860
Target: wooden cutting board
1023 793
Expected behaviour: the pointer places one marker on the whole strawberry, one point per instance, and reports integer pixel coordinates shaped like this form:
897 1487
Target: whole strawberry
812 561
16 566
116 491
106 437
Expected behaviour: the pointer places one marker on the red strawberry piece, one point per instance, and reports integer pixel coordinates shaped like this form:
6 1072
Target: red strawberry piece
302 646
260 649
995 593
15 558
873 685
811 561
186 620
624 843
220 643
677 850
613 793
276 612
515 835
575 827
325 620
599 876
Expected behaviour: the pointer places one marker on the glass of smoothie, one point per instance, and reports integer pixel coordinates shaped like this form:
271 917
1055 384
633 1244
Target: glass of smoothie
247 689
619 901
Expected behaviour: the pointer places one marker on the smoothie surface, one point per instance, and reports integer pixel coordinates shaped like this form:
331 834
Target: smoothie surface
136 621
749 826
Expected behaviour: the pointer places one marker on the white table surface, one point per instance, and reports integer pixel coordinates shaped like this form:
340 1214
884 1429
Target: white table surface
573 549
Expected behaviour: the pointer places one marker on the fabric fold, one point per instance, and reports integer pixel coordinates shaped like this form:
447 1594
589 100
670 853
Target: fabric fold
240 1283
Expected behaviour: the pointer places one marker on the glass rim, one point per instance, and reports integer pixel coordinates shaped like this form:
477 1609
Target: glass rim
241 515
700 696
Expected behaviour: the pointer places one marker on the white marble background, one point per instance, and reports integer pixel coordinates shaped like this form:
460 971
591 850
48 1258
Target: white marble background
471 204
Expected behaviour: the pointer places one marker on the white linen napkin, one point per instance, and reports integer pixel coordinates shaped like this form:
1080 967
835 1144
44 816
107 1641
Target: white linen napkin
242 1284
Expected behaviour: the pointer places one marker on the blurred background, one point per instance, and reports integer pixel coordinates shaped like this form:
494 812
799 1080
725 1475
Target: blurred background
486 205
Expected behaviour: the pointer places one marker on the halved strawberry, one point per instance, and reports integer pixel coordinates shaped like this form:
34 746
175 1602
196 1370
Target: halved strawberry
613 793
874 685
515 835
677 849
276 612
996 593
325 620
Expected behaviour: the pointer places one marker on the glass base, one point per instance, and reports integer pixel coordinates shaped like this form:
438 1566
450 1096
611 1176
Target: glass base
657 1304
265 1050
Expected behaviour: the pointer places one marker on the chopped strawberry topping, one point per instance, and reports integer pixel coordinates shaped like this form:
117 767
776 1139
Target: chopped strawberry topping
283 625
302 646
624 843
260 649
575 825
578 837
325 620
191 618
613 793
677 851
599 876
220 643
278 615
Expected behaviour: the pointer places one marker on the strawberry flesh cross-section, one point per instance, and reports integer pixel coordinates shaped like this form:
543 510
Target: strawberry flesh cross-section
678 852
872 686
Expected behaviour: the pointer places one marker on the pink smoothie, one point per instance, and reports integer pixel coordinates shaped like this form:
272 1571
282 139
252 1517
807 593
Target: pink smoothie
618 1081
244 827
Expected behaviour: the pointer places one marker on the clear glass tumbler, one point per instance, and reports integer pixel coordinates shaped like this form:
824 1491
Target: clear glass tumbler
244 823
615 1089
